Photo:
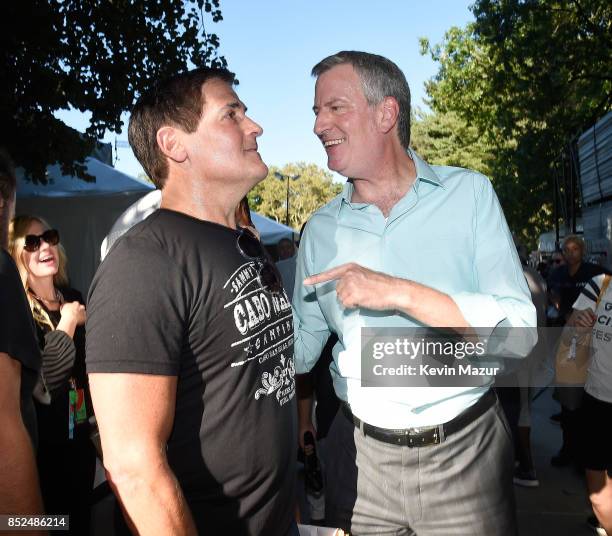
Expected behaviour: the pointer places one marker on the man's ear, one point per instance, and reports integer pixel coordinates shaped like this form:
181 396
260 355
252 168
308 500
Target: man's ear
170 143
388 114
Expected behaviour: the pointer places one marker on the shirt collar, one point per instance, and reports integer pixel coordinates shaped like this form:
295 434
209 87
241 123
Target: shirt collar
424 172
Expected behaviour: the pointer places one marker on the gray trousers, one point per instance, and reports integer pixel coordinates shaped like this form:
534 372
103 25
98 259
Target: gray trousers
462 486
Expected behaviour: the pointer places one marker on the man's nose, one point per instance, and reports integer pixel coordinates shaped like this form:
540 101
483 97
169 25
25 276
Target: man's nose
321 123
254 128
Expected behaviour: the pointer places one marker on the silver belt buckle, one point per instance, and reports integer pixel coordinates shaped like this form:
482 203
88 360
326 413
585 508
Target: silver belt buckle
438 433
439 436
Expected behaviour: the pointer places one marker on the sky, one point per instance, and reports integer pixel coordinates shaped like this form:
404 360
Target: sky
272 45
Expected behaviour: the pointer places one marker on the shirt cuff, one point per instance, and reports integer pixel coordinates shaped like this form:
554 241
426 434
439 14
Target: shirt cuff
480 310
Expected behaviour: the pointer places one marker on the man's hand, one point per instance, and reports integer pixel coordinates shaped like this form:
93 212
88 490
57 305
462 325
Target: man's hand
361 287
303 427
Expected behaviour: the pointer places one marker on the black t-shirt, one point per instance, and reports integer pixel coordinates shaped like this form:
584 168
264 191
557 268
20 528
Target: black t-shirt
17 336
569 286
175 297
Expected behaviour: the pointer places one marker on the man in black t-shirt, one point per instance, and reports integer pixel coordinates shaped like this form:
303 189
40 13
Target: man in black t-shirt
566 281
19 366
190 334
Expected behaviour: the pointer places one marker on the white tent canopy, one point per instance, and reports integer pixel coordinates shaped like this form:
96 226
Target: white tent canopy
271 232
83 212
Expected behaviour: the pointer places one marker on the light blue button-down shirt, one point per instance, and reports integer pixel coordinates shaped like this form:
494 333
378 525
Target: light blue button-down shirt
449 233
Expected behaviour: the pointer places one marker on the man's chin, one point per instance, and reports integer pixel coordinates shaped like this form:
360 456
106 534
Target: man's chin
258 176
264 172
334 165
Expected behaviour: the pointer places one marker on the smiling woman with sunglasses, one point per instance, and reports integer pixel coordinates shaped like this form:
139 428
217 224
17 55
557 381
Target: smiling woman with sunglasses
66 458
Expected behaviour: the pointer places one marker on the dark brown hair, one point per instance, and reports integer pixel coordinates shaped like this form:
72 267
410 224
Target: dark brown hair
176 101
243 214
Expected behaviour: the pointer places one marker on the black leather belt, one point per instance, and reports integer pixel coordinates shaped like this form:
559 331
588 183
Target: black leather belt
430 435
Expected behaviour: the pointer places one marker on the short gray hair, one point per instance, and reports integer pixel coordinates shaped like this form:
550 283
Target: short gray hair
380 78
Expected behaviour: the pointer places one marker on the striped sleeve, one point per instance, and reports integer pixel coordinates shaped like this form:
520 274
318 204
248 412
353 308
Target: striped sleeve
589 293
58 358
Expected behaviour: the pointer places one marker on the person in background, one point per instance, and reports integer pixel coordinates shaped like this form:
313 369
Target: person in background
518 391
285 248
553 319
286 263
19 369
557 259
66 457
554 298
565 283
596 414
568 278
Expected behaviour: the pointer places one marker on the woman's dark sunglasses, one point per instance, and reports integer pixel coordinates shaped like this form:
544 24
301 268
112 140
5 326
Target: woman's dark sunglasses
250 247
32 242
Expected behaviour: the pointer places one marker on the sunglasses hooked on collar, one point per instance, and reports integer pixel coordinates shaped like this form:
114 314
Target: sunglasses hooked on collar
250 248
32 242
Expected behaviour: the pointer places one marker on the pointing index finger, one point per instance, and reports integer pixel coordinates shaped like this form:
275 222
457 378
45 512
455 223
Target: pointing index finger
327 275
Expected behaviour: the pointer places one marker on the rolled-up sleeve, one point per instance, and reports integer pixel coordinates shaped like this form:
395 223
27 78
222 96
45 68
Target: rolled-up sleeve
311 329
501 298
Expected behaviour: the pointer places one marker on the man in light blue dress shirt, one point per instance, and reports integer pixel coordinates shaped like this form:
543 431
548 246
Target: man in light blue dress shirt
404 245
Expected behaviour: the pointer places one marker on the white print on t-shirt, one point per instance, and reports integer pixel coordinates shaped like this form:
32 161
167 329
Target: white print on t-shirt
263 319
280 382
265 325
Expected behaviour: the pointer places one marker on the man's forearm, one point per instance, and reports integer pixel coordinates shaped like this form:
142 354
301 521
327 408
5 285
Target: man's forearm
429 306
153 501
304 390
19 491
305 411
357 286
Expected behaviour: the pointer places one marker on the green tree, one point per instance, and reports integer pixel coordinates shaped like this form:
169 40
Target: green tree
529 75
445 139
310 191
90 55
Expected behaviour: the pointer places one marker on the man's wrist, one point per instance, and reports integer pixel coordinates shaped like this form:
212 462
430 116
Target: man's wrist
402 295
